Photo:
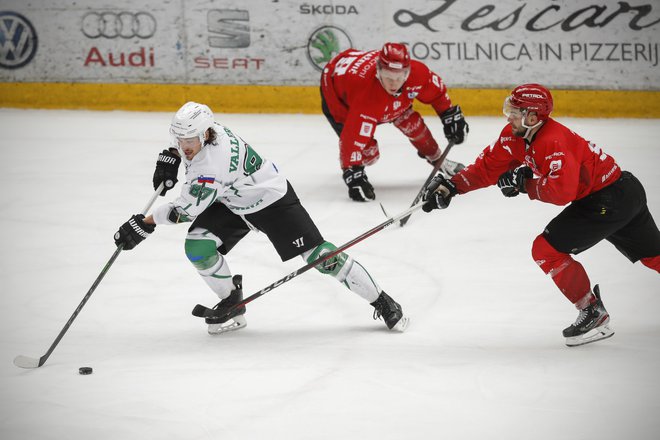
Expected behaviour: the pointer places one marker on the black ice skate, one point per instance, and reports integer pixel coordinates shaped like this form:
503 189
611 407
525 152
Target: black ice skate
391 312
235 320
592 324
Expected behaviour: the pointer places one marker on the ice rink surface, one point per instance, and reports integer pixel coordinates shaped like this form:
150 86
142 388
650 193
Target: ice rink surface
483 357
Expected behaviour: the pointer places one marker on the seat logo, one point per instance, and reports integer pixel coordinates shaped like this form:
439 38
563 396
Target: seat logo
18 40
229 28
118 25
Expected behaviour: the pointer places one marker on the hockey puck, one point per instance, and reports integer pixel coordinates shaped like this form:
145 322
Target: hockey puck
85 370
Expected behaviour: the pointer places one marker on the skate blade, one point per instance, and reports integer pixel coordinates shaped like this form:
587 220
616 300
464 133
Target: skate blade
602 332
402 325
236 323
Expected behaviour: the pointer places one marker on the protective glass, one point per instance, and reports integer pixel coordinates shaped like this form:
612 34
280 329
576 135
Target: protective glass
188 142
398 75
510 111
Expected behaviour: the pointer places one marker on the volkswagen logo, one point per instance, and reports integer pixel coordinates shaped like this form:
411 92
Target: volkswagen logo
325 43
18 40
118 25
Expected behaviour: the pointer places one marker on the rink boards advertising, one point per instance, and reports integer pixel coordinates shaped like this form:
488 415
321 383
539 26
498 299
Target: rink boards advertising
601 56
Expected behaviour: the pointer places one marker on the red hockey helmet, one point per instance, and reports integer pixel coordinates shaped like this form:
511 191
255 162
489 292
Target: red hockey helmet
531 98
394 56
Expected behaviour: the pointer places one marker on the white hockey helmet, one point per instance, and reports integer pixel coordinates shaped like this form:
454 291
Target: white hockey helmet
192 120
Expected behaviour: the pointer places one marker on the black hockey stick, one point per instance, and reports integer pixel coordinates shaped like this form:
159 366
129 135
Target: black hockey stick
205 312
436 167
28 362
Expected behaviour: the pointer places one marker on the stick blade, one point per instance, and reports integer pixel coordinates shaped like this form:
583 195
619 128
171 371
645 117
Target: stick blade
26 362
403 221
200 311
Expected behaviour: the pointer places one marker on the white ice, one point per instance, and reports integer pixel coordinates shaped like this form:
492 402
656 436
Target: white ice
483 357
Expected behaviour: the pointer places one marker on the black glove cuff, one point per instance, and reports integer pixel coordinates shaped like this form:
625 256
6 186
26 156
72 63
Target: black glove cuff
140 227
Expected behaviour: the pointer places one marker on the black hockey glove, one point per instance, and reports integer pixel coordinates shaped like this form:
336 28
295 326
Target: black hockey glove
512 182
438 194
456 129
131 233
167 168
359 188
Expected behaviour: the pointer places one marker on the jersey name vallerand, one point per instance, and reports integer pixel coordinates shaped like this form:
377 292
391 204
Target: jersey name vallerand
227 171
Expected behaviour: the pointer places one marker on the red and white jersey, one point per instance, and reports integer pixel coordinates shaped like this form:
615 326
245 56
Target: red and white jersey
356 98
567 166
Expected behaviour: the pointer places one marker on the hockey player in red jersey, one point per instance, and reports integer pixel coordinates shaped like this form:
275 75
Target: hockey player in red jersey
360 90
538 156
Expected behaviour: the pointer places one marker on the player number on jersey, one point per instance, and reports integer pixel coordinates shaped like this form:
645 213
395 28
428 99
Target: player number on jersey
252 161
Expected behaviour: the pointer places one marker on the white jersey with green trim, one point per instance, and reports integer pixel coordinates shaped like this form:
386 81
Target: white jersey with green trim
228 171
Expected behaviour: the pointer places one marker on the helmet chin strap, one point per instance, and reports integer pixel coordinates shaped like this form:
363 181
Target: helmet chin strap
529 127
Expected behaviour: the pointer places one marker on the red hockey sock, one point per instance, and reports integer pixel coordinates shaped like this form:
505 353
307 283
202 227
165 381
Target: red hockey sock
652 262
569 275
413 126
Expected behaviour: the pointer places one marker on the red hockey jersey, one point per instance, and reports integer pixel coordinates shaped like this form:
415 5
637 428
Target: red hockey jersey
567 166
356 98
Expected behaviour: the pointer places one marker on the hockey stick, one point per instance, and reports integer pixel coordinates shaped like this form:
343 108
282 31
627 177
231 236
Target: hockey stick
206 312
28 362
436 167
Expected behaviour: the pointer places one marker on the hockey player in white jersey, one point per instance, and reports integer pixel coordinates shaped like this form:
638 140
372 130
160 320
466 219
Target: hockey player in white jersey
230 189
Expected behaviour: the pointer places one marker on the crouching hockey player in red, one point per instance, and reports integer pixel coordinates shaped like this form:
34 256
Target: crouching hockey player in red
538 156
360 90
229 190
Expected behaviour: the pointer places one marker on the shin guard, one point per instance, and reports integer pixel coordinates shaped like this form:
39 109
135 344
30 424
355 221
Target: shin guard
202 251
569 275
345 270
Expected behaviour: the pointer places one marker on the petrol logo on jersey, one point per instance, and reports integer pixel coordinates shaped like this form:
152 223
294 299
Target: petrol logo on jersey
325 43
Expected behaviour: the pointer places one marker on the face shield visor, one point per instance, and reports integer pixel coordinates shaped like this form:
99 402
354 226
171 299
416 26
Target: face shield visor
186 144
515 114
392 79
510 111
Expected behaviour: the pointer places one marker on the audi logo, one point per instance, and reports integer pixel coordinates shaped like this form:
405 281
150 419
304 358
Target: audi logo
118 25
